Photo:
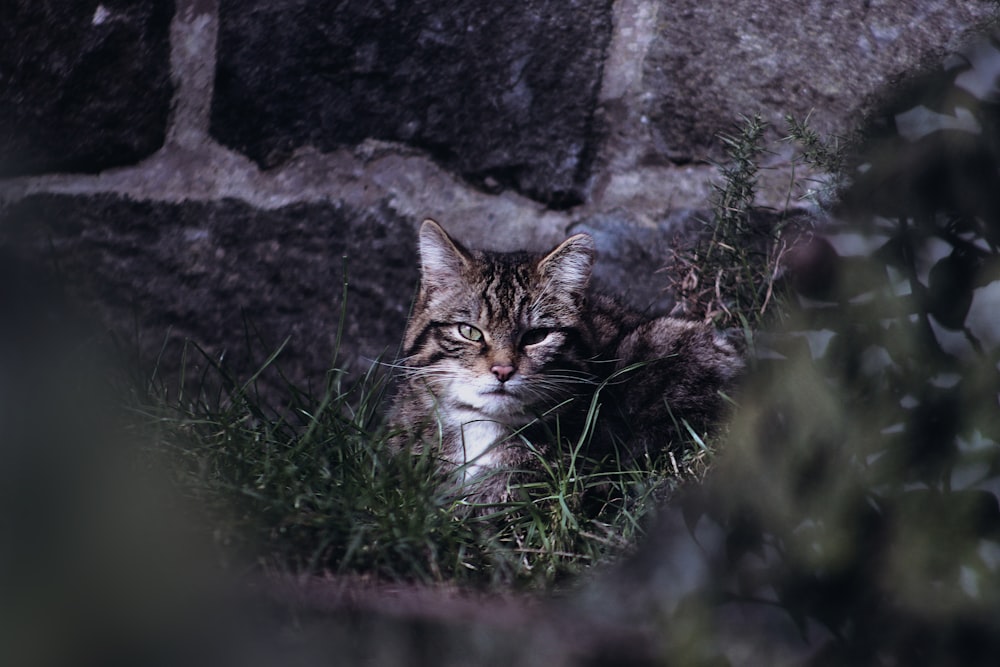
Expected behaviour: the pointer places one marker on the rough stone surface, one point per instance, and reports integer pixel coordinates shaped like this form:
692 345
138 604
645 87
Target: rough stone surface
711 62
368 117
83 85
631 255
502 93
213 272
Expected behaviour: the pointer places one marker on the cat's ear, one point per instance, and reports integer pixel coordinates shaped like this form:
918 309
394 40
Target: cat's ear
441 258
568 267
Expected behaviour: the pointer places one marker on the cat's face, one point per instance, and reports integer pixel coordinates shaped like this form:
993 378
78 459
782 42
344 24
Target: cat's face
499 336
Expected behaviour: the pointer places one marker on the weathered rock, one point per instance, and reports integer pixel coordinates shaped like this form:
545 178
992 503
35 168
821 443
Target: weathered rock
236 280
631 256
83 85
522 99
711 62
502 93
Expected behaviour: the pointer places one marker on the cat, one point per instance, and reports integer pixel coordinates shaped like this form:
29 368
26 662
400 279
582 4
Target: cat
503 349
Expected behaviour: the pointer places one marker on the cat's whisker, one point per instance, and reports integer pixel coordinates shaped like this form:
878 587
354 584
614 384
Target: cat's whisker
422 370
555 387
399 364
543 391
563 387
584 378
548 387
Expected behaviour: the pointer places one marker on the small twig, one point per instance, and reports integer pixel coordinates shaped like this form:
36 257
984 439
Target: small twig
546 552
718 292
774 276
604 540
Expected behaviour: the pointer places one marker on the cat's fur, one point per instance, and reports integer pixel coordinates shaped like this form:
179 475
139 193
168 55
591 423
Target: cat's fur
501 345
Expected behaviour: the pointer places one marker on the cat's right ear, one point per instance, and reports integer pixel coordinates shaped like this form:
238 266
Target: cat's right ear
441 258
570 264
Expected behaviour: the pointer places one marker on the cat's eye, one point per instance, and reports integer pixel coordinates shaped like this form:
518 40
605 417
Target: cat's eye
534 336
469 332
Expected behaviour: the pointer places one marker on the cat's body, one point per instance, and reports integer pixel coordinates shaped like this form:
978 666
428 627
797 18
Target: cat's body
502 347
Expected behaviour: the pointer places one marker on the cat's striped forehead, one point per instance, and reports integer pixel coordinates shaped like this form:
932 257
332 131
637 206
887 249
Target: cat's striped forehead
495 287
503 294
503 286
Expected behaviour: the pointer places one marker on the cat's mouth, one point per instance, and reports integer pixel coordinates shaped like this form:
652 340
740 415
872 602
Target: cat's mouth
500 394
503 392
502 397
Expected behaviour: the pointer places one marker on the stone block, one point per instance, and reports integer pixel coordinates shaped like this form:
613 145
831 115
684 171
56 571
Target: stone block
708 63
234 279
83 85
502 93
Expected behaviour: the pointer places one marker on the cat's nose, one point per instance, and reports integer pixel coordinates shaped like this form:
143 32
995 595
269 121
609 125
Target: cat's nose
502 371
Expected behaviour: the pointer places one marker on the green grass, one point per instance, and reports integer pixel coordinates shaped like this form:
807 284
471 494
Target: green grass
311 485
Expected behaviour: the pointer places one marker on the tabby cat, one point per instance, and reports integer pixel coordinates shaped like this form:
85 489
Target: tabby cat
502 346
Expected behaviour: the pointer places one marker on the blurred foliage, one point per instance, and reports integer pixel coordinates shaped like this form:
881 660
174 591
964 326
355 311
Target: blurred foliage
854 517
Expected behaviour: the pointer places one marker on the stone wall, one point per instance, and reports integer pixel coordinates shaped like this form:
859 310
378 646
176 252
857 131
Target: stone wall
198 169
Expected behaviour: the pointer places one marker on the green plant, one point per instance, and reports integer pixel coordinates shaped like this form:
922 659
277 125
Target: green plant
825 154
727 275
731 273
312 486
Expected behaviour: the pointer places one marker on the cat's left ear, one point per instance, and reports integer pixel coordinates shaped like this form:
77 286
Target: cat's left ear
570 264
441 258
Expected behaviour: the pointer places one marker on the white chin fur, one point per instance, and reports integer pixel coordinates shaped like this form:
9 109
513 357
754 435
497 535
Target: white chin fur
505 408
